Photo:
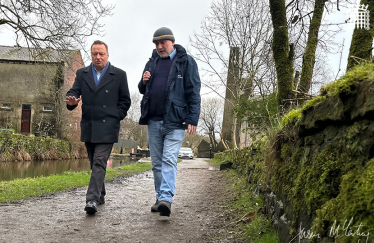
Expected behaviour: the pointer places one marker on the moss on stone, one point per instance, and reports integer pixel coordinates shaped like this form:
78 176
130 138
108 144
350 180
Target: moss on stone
317 180
323 182
326 174
349 82
291 118
312 102
294 116
344 87
355 201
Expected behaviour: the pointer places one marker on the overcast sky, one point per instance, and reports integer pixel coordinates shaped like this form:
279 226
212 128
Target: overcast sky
129 31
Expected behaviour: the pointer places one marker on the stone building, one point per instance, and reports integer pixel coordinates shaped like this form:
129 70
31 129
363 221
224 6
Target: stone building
33 85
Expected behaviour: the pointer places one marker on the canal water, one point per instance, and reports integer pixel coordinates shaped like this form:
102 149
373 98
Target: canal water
14 170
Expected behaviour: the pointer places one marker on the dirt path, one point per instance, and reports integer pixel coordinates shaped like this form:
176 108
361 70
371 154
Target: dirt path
126 216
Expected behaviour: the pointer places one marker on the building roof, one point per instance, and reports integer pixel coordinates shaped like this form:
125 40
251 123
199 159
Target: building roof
16 53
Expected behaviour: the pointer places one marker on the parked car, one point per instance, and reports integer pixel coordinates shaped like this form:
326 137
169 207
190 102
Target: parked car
185 152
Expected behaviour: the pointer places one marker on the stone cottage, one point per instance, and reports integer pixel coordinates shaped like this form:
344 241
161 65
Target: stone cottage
33 85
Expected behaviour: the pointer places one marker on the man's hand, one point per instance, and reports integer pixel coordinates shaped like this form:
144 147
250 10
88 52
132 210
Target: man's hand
146 77
71 100
191 129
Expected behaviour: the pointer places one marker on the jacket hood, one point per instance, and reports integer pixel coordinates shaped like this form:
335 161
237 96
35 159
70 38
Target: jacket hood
180 51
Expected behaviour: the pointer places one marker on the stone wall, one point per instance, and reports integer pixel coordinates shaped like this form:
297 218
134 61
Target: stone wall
316 172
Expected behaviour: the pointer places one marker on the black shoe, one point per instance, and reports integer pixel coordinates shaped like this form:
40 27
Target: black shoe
101 201
164 207
154 207
90 207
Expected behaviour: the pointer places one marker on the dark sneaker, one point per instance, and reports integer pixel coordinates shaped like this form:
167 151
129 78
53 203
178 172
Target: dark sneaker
154 207
90 207
101 201
164 207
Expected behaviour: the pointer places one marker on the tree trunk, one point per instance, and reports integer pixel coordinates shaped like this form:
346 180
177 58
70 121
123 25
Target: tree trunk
362 39
224 143
280 46
212 139
311 46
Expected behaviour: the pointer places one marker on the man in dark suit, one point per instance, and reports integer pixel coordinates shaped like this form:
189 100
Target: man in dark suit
105 99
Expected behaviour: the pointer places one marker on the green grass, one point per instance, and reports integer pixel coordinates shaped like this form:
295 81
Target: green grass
31 187
243 201
215 162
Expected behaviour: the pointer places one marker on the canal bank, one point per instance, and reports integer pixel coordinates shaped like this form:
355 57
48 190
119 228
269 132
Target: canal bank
31 187
24 169
18 147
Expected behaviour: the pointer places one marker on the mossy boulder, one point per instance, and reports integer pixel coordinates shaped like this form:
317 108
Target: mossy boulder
364 103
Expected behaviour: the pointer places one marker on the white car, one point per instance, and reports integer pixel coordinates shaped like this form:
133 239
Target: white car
185 152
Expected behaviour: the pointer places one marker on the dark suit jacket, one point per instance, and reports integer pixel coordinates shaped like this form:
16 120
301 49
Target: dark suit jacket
103 106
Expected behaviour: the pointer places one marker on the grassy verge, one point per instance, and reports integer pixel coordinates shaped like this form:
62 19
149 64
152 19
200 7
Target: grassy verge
215 162
241 201
31 187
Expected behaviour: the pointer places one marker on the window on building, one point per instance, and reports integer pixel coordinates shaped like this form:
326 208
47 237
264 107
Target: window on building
6 106
47 108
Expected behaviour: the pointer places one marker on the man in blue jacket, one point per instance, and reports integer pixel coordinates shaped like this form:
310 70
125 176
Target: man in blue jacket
171 104
104 92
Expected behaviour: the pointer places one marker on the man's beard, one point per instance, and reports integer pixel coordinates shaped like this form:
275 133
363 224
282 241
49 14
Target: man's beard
162 54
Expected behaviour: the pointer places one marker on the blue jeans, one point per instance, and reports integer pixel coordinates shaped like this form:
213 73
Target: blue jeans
164 145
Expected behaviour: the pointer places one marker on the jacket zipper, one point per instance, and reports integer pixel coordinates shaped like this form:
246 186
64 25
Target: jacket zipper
174 65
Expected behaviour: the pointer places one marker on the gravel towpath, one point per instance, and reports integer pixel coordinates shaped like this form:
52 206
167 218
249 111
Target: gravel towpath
126 215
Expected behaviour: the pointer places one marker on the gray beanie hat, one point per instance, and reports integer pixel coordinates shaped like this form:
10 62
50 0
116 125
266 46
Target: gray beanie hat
163 33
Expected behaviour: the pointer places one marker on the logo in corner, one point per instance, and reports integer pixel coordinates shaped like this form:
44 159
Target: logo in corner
360 16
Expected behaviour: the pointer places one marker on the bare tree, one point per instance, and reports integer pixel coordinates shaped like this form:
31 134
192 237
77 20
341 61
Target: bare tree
300 41
244 28
192 141
211 115
60 24
130 125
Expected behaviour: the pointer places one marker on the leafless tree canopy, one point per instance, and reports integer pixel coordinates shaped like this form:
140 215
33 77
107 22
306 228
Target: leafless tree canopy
211 118
60 24
130 125
299 15
236 23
